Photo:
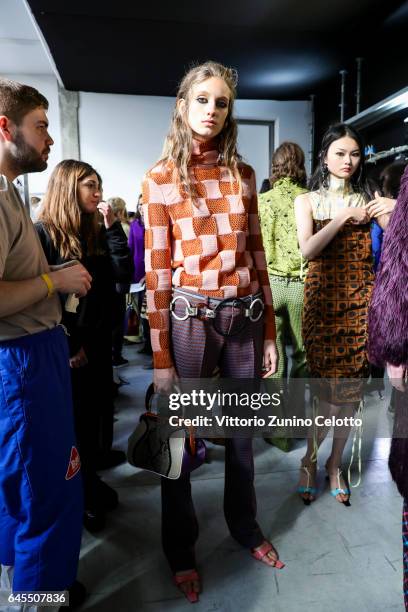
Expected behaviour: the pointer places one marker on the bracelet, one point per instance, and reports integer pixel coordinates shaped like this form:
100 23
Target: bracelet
49 283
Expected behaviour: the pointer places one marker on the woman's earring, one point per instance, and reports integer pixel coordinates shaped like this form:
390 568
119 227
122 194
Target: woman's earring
324 173
360 174
356 179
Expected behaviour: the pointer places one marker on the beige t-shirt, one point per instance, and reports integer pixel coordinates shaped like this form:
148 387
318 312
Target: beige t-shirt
22 258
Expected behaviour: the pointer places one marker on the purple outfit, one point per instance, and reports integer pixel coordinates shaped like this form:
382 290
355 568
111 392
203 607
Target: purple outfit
388 314
388 341
136 245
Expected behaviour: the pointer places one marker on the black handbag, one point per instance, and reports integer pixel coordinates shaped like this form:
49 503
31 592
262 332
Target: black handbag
166 450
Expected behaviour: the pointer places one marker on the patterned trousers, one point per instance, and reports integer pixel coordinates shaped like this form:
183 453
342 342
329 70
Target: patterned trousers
288 304
197 350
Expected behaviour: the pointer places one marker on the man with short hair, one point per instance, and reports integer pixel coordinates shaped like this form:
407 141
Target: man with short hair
40 486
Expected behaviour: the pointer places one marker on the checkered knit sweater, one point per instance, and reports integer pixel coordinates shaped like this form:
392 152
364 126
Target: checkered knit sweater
211 245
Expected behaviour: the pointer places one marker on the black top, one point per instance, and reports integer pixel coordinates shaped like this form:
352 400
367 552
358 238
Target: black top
113 264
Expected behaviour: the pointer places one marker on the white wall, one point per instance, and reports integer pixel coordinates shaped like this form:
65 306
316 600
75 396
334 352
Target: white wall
254 143
122 136
47 85
22 51
24 58
292 120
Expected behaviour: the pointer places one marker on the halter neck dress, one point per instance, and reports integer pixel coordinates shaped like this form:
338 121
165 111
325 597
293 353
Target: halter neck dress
338 287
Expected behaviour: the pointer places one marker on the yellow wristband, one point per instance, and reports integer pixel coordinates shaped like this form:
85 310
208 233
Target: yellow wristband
49 283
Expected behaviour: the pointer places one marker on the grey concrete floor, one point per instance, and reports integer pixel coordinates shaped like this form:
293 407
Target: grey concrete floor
337 559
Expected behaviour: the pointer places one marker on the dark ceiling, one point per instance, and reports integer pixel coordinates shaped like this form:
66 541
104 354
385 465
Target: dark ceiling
283 49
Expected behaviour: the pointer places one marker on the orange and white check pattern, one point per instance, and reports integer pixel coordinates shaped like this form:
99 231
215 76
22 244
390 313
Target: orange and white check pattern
211 244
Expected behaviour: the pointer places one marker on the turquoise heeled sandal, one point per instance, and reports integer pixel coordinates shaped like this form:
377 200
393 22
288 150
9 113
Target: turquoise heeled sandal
340 490
307 489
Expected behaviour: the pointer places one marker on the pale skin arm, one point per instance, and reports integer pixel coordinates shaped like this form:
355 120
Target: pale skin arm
383 221
311 244
380 208
18 295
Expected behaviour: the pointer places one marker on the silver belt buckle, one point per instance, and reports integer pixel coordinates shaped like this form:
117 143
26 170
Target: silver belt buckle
209 314
251 306
191 311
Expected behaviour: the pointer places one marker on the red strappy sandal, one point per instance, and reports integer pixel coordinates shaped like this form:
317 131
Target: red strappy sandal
263 551
180 579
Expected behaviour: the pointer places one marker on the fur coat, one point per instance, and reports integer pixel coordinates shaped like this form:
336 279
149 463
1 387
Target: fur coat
388 325
388 313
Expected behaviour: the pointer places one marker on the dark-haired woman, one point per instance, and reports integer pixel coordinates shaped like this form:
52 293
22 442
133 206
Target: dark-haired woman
286 267
334 235
75 224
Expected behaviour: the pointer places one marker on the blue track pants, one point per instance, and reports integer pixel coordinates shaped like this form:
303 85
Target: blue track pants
41 504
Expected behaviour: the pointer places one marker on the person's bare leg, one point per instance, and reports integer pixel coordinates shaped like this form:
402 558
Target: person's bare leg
334 461
315 437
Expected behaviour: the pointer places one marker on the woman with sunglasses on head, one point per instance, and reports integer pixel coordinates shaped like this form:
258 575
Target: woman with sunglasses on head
204 248
333 222
76 224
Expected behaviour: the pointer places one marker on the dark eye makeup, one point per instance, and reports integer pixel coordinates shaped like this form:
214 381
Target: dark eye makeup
219 103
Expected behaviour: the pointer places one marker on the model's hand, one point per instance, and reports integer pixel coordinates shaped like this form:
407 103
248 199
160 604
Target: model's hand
380 206
108 214
164 379
357 215
79 359
397 375
72 279
351 214
270 358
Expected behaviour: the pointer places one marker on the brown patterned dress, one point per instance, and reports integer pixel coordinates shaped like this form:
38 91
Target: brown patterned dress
337 293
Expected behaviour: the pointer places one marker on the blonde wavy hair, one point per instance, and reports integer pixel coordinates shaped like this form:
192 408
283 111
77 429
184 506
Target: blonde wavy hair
61 213
178 144
119 208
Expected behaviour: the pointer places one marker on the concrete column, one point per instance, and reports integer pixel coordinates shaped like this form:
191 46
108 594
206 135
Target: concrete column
68 106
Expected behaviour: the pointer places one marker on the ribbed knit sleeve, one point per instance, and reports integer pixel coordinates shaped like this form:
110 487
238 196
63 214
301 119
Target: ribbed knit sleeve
158 269
212 245
255 247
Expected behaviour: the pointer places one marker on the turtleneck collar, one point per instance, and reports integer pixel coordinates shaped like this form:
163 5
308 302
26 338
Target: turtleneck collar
204 153
339 186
